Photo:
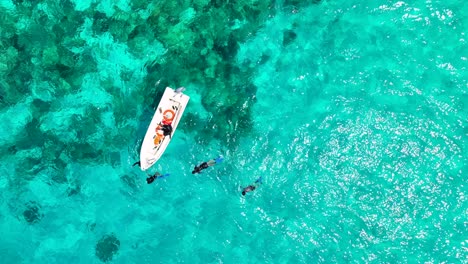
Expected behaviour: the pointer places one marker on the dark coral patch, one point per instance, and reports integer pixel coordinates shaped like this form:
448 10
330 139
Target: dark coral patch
130 181
107 247
73 189
32 214
288 37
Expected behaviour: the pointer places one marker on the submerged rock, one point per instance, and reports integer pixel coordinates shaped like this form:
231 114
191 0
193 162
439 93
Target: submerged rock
288 37
32 214
107 247
130 181
74 189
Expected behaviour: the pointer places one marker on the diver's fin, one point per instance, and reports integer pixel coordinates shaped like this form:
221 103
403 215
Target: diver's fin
164 176
219 159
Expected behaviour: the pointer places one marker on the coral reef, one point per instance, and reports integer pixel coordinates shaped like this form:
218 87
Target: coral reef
32 214
107 247
78 73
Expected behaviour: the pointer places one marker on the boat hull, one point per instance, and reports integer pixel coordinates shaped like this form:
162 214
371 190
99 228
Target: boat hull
169 111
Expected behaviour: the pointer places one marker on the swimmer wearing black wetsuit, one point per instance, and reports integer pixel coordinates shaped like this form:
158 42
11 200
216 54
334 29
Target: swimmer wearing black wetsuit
157 175
207 164
252 187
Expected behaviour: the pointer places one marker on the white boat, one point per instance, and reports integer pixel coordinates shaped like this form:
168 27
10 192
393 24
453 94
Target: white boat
169 111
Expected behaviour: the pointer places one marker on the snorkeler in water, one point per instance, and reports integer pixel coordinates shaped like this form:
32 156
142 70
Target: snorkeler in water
157 175
207 164
253 186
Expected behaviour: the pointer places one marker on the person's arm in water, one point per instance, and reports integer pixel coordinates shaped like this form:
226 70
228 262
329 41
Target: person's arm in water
137 163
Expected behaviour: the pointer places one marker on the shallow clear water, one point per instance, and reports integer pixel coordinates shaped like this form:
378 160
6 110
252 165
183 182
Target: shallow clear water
354 114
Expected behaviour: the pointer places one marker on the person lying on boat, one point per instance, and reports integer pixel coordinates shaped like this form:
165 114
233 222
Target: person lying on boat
207 164
167 130
157 175
252 187
162 130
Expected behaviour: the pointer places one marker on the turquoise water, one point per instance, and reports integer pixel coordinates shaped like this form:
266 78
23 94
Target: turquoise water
355 114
